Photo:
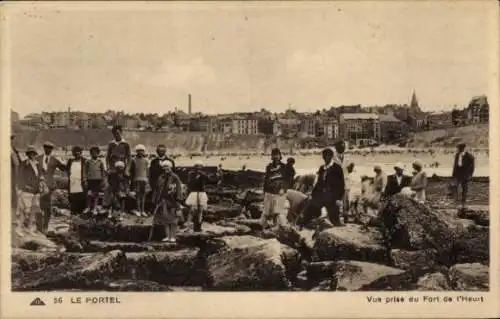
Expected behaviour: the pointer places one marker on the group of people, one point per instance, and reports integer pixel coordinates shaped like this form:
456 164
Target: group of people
116 179
338 190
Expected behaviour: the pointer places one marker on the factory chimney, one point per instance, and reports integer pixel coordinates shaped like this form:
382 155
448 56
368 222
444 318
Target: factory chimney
189 104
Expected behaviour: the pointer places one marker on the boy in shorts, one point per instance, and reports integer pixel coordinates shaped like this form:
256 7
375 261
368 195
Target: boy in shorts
94 176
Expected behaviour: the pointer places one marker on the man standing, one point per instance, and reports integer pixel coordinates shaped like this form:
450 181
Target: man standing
30 187
330 188
15 161
463 169
397 181
47 166
339 159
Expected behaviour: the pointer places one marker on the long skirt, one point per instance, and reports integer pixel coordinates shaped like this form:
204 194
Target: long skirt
166 214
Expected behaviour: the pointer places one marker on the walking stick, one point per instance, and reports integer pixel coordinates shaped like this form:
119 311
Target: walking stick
151 228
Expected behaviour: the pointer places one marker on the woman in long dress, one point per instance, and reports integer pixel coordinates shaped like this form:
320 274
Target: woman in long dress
167 197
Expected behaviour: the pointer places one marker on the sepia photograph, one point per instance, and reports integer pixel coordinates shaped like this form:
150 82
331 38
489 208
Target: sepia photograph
249 147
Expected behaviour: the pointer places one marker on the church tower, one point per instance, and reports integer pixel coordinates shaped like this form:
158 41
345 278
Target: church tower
414 102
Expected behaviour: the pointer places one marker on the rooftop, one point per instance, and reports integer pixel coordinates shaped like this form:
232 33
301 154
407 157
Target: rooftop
388 118
359 116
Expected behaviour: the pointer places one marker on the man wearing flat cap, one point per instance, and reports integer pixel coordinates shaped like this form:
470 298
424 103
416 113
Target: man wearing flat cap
463 169
47 165
31 186
397 181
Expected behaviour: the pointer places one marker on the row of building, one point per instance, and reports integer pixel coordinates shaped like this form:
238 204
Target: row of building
359 125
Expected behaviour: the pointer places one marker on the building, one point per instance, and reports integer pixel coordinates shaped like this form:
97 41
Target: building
32 120
225 125
245 125
391 128
329 128
308 126
360 128
46 118
60 120
288 127
478 110
206 124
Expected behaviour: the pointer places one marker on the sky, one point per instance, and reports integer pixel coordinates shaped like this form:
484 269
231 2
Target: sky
234 57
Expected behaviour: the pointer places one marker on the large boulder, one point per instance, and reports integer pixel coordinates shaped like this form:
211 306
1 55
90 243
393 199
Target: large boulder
433 282
356 275
351 242
411 225
134 285
182 267
472 246
60 199
217 212
248 263
469 277
73 272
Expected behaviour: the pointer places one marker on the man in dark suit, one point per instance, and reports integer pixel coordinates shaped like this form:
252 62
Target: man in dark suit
47 166
328 191
397 181
463 169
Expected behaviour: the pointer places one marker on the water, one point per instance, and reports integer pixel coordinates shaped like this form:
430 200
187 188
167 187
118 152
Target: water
305 164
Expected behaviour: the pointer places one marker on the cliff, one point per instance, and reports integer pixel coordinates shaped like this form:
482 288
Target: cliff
475 136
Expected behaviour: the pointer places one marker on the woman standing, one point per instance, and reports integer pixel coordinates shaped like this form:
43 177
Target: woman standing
197 199
77 185
419 181
166 197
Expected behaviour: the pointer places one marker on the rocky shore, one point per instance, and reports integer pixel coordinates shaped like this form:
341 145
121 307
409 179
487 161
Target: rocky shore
409 247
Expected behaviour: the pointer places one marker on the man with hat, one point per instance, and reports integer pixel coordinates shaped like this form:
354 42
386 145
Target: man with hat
31 186
463 169
397 181
47 165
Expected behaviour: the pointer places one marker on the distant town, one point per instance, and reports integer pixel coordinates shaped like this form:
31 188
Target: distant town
360 125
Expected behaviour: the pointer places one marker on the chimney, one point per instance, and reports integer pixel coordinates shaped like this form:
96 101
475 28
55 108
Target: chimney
189 104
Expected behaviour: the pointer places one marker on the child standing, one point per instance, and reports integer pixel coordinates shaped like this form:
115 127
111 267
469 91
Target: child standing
76 187
119 188
166 197
197 199
94 177
139 169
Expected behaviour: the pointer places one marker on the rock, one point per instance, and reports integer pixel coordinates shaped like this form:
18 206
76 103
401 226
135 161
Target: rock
433 282
248 263
209 231
131 229
105 246
301 281
469 277
253 224
60 198
134 285
27 260
404 259
356 275
35 241
352 243
82 272
255 210
220 212
472 246
177 268
479 214
242 229
325 285
321 270
410 225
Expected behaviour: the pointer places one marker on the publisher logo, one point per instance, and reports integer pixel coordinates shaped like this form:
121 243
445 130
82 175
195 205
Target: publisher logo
37 302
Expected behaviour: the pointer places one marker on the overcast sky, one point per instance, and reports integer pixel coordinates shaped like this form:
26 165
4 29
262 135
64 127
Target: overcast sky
241 57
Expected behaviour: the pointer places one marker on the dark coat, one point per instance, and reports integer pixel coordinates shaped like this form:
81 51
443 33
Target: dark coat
155 170
465 171
331 183
29 180
393 187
